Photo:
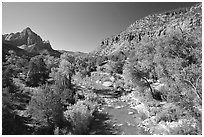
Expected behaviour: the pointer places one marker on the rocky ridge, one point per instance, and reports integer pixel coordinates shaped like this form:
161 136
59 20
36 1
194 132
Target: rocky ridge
29 41
151 28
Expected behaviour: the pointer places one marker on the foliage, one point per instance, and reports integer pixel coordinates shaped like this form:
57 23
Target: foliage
62 78
7 79
186 127
12 122
80 116
173 57
93 98
21 63
46 108
85 65
51 62
176 59
66 66
63 89
38 73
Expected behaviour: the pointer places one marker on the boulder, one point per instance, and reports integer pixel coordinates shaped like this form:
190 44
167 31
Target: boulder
118 107
158 86
107 84
97 81
112 79
130 113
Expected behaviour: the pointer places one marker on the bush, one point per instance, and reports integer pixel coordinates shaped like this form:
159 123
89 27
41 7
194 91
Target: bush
169 112
46 108
186 127
80 116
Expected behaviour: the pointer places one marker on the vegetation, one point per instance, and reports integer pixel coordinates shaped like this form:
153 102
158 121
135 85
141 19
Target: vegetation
37 73
161 77
176 62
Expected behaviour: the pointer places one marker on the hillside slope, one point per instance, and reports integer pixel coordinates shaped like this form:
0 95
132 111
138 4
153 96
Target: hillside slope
152 27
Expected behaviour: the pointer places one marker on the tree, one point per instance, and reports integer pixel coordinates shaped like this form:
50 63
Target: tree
178 57
63 89
62 77
46 108
140 79
7 79
21 63
142 67
80 64
51 62
67 66
38 73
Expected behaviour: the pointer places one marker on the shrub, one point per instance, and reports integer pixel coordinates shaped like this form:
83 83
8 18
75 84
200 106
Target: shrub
185 127
80 116
46 108
169 112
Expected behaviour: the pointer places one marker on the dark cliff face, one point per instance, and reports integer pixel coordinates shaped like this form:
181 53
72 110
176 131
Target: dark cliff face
29 41
152 27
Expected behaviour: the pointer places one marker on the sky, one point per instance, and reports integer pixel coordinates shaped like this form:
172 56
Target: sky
78 26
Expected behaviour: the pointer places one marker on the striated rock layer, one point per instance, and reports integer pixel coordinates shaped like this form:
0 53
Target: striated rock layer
151 28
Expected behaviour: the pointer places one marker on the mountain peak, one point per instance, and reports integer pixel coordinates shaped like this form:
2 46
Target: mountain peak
28 29
29 41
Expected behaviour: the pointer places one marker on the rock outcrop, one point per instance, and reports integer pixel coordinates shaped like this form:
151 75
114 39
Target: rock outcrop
29 41
151 28
26 37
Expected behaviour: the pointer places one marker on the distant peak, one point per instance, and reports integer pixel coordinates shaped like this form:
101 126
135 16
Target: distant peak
28 29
